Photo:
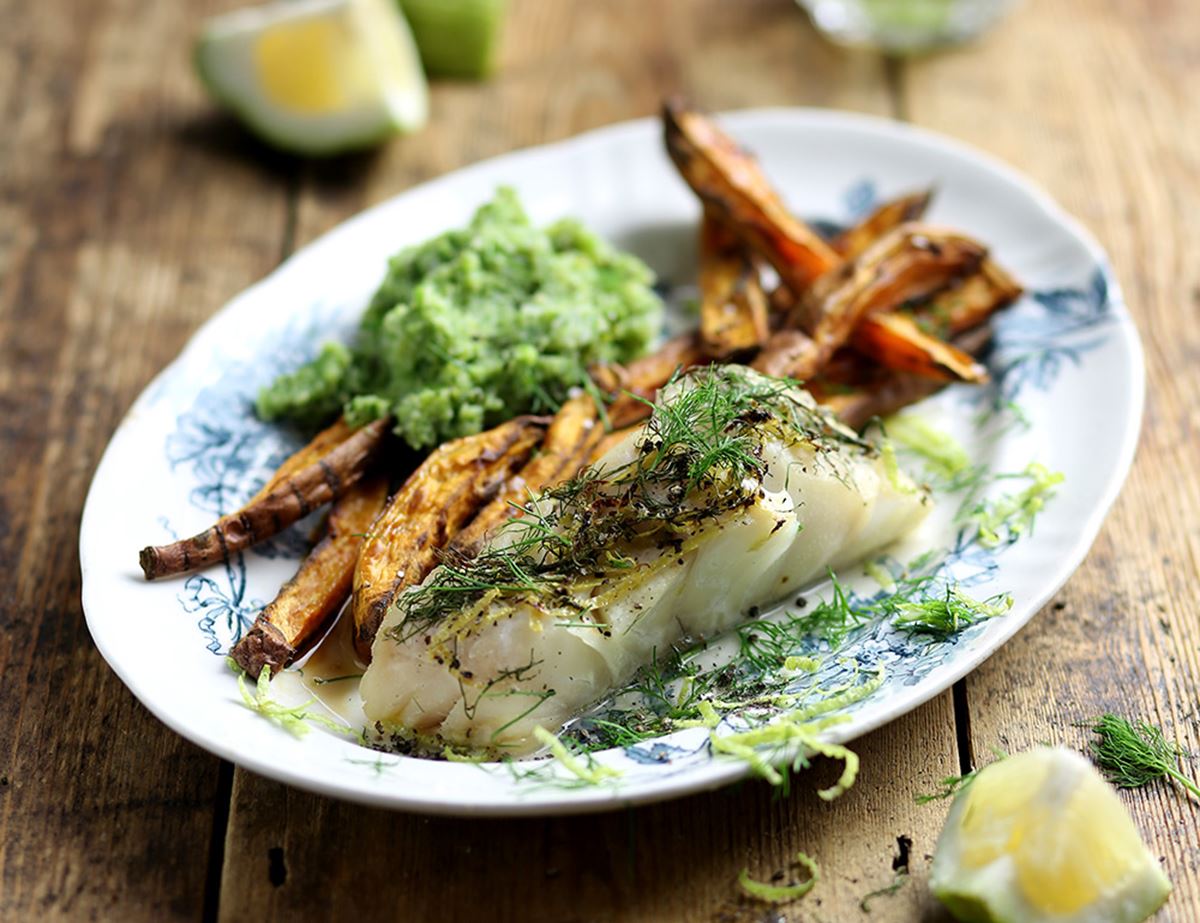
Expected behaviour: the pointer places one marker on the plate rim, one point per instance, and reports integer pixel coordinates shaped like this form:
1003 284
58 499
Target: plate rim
718 773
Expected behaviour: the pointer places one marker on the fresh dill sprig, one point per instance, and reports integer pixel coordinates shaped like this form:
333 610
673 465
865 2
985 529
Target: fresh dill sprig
886 891
1135 753
781 894
950 786
946 615
775 663
831 620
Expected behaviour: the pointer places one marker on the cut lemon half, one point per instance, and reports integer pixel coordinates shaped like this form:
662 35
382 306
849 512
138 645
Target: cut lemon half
1041 838
316 76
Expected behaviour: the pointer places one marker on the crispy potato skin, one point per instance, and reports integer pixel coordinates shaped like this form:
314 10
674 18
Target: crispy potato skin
321 445
293 497
436 501
878 392
970 302
567 447
643 377
854 241
895 341
912 261
305 603
730 183
733 306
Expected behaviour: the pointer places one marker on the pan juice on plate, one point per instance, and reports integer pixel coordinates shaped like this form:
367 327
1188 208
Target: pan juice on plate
735 492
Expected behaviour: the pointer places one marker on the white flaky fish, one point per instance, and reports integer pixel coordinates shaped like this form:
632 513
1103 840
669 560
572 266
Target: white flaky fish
736 492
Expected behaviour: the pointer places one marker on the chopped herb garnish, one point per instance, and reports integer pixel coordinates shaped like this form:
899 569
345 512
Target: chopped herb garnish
581 765
946 615
886 891
295 719
949 787
942 453
1136 753
796 734
1007 518
781 894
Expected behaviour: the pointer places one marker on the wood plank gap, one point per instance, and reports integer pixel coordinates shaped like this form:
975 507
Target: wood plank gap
962 728
216 844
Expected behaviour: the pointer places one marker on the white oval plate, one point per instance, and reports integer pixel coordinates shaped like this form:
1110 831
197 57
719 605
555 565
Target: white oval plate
190 448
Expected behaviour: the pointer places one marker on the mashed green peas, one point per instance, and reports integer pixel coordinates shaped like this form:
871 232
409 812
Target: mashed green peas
477 325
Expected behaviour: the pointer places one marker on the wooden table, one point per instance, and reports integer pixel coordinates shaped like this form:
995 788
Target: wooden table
130 211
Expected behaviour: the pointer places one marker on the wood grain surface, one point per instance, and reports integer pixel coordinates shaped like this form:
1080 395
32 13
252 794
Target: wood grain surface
130 211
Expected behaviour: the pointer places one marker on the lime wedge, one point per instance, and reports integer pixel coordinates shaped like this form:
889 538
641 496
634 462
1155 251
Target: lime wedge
1041 837
457 38
316 76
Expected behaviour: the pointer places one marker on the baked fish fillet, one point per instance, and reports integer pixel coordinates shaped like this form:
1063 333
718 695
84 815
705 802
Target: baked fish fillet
736 492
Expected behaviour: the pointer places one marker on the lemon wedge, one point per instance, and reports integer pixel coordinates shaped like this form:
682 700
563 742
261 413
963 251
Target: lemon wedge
316 76
1041 837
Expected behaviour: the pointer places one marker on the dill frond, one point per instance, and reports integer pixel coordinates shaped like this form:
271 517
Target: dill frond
886 891
946 615
1135 753
950 786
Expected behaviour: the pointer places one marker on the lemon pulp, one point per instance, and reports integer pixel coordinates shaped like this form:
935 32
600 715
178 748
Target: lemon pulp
310 66
1041 838
316 76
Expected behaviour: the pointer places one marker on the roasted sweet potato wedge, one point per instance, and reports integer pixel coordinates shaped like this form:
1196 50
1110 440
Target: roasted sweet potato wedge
567 447
896 342
913 261
852 242
882 392
969 303
306 603
730 182
321 445
643 377
293 496
437 500
733 306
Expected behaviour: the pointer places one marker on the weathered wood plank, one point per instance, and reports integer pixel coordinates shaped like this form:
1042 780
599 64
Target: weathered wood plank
292 854
568 67
1092 100
123 224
